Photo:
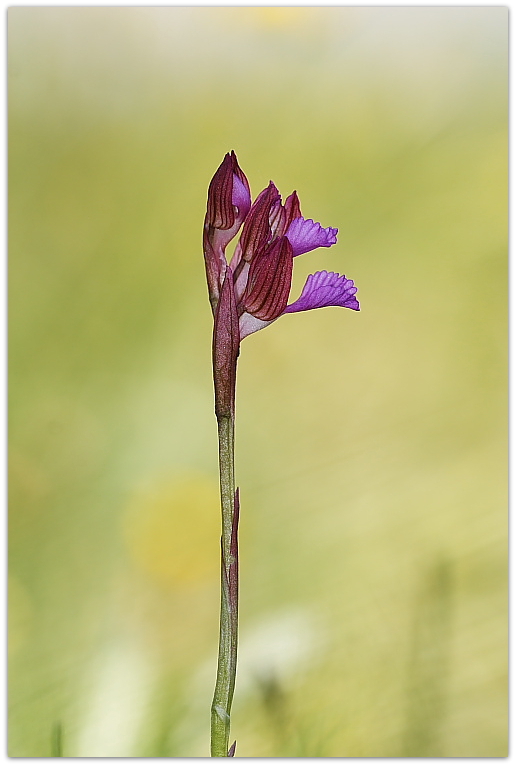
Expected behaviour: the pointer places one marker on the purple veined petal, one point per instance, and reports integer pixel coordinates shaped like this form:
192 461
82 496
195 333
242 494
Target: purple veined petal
220 213
305 235
229 188
256 232
326 288
292 208
277 218
229 201
268 285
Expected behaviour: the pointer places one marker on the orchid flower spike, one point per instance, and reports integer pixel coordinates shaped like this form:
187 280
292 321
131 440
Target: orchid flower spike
272 235
246 295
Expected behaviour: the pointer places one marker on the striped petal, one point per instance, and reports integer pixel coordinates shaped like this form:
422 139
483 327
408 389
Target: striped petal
268 285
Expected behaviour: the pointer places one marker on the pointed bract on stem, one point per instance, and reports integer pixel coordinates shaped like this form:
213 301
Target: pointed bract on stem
226 342
246 296
232 565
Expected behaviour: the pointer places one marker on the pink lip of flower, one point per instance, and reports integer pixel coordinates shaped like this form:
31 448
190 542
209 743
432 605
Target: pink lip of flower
260 273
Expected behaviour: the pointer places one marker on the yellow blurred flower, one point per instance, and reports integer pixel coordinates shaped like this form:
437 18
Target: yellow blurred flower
172 531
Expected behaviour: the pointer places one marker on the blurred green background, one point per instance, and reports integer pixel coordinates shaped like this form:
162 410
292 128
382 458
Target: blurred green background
371 446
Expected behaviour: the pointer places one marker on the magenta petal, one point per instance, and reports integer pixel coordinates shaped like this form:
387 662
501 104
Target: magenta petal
325 288
240 197
305 235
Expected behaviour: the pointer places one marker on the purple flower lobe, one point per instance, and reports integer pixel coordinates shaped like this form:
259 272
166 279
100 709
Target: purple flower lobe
305 235
325 288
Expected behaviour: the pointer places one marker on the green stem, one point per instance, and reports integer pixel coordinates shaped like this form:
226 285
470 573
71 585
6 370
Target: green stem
226 666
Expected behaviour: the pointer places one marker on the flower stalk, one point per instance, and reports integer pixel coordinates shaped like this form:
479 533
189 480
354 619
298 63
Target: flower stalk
228 636
247 295
226 343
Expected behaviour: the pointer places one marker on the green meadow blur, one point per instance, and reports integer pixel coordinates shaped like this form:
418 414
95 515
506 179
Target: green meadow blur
371 446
